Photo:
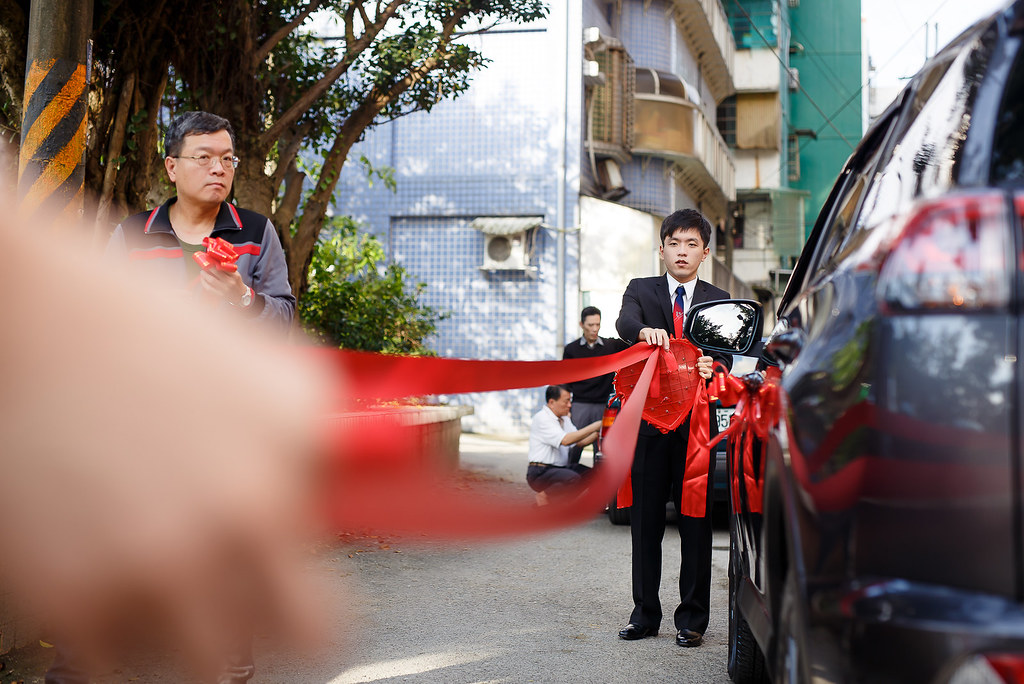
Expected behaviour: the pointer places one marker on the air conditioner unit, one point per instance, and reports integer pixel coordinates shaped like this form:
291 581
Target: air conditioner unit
506 252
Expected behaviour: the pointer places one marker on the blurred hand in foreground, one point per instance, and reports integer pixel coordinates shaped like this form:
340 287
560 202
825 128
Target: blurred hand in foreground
157 464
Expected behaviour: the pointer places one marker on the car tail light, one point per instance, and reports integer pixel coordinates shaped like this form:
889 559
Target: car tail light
952 253
990 668
610 411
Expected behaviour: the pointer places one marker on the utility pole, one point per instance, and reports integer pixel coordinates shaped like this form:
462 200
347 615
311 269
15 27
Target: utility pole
51 168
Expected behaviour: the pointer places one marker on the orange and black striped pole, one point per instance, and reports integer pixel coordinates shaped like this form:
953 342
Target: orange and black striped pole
51 164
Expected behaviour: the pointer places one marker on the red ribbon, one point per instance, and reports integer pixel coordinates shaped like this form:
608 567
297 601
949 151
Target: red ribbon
757 412
680 393
219 252
373 482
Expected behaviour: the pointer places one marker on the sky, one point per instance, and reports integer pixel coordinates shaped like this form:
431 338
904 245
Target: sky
895 32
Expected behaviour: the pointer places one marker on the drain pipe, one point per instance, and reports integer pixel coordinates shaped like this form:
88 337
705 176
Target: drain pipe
560 198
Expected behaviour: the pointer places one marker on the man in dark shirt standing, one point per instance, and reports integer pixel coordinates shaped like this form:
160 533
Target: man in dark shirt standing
590 396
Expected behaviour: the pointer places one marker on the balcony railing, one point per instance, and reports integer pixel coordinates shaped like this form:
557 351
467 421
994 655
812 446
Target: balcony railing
707 30
671 126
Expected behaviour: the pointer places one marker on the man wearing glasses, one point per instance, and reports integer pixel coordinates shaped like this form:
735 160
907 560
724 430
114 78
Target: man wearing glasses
200 162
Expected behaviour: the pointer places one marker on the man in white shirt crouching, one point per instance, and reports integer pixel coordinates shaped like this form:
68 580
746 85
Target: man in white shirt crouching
551 435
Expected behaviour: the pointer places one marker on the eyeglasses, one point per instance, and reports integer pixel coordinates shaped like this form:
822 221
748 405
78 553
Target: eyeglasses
204 160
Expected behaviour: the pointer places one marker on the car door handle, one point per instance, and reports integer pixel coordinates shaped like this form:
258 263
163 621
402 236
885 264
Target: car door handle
786 346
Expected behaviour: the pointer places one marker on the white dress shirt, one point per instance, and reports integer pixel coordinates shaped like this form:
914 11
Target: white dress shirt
688 288
546 434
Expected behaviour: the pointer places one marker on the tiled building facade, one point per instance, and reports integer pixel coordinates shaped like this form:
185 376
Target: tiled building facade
502 151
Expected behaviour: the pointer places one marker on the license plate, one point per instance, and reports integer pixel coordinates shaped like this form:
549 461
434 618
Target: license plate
722 416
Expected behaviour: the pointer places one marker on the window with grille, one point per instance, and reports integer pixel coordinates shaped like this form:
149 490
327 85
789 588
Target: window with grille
726 118
612 122
793 158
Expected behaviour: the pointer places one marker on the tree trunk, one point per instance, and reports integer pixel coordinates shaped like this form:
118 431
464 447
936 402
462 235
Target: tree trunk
114 147
13 37
253 188
311 221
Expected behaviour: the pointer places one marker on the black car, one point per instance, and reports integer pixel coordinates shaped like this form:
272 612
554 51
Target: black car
888 544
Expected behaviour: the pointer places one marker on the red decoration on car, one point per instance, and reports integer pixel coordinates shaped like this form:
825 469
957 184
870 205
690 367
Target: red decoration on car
757 412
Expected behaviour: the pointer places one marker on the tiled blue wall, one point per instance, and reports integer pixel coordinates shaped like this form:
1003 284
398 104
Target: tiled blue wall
493 152
650 185
647 33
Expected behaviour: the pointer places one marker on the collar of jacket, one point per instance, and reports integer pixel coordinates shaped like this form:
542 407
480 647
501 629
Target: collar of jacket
159 220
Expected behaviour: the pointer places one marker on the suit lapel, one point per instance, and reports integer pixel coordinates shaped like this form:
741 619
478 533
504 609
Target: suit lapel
661 292
700 292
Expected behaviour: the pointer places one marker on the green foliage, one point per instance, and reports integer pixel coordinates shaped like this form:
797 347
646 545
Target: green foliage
386 174
298 79
355 302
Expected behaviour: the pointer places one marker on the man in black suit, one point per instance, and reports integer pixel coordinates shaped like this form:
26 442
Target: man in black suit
652 311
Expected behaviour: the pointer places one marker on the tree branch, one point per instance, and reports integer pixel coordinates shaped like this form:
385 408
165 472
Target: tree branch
362 13
280 34
286 156
311 221
350 22
289 206
300 106
113 151
419 73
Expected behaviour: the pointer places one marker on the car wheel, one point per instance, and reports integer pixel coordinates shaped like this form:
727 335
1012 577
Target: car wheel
618 516
746 662
789 665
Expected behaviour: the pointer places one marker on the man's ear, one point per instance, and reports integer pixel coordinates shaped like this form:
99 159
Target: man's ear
171 164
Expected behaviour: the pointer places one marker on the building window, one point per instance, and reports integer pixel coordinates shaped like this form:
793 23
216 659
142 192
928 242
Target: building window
726 119
793 158
612 106
754 23
758 121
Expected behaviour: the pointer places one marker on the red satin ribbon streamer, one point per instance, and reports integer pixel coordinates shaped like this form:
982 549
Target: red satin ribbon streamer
375 484
693 501
377 376
757 411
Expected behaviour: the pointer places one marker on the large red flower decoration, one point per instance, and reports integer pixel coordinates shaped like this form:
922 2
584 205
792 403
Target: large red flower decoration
673 388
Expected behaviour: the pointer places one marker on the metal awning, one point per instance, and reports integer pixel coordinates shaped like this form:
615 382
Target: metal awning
506 225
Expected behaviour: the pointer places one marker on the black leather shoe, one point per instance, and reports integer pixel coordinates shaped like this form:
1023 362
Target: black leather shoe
631 632
688 637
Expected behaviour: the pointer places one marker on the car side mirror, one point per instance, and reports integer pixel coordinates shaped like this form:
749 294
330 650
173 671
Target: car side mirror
728 326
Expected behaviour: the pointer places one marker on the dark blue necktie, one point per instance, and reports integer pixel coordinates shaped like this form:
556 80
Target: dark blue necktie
678 312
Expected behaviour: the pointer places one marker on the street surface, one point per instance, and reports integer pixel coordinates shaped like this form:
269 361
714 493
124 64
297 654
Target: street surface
543 609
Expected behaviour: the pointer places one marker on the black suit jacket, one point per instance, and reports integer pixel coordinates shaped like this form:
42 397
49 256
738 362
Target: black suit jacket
646 304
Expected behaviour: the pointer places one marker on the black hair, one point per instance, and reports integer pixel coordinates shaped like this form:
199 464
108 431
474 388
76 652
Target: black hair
686 219
589 311
554 392
193 123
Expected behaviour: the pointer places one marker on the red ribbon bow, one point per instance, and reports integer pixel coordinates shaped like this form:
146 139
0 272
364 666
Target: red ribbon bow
219 253
757 411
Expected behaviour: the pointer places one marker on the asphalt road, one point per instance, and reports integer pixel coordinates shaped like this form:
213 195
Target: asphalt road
541 609
544 609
